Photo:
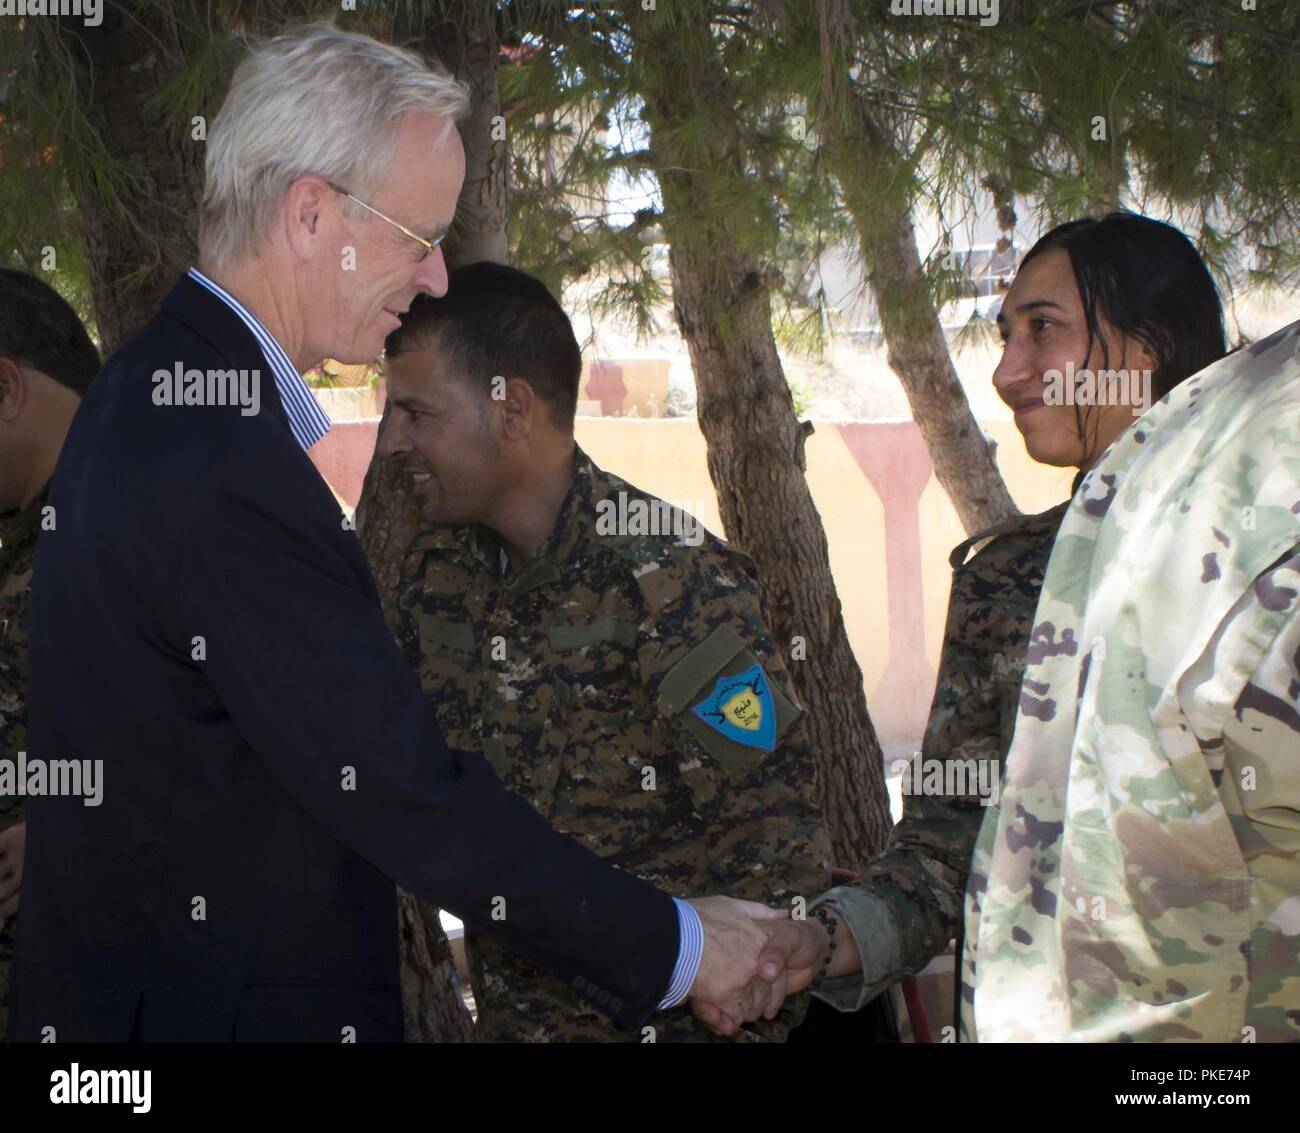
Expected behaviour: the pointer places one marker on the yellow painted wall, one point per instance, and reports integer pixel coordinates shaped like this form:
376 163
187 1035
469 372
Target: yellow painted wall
667 457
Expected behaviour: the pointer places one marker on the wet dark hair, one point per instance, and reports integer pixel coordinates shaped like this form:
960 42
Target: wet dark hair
496 319
1146 280
39 329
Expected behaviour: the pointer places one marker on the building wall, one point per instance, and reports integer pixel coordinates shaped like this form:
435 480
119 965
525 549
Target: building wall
889 525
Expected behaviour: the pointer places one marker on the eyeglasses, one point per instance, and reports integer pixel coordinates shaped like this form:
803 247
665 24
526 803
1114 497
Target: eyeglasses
428 245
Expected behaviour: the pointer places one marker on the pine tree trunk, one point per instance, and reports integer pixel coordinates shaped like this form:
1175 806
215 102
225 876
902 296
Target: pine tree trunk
470 52
964 458
388 518
755 442
432 1008
387 515
135 250
964 463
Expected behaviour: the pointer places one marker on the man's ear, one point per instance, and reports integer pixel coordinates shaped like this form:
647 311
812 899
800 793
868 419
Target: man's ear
304 216
519 409
13 389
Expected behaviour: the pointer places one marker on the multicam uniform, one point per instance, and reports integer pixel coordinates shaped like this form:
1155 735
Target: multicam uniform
18 535
906 906
626 685
1141 879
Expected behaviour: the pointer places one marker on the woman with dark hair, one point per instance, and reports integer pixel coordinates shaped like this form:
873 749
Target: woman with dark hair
1122 295
1104 316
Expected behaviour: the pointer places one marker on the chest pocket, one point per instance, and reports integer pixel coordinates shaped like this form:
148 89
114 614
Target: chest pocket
603 791
567 638
446 636
449 674
529 758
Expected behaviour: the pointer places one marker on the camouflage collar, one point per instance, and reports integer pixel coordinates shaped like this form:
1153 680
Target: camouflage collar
571 519
18 527
548 562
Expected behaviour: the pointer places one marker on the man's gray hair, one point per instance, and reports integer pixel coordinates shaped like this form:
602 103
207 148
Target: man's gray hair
313 100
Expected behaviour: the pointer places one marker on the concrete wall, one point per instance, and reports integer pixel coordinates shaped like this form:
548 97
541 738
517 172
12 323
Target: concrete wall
889 525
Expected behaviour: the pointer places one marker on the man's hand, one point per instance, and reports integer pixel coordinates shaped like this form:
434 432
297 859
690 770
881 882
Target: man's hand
12 841
734 935
786 965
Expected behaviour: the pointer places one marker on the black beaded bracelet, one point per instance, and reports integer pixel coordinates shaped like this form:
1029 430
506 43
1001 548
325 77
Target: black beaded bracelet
823 914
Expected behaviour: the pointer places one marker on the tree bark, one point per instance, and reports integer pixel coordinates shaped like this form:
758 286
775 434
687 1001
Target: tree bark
120 66
387 515
432 1009
469 49
387 520
755 442
868 171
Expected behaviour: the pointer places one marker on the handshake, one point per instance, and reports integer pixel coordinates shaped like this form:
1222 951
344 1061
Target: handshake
754 957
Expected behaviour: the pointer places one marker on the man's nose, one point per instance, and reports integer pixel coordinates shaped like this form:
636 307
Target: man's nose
393 440
431 276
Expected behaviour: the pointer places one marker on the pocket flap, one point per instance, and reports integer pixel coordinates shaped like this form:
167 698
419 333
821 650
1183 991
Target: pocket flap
455 635
565 638
692 672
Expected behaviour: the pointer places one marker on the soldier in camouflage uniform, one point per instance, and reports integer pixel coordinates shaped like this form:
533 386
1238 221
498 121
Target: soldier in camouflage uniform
620 679
1141 880
18 534
907 905
46 363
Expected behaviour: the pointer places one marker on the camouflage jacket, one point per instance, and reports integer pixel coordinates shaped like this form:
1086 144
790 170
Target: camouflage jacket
1141 879
626 685
906 906
18 535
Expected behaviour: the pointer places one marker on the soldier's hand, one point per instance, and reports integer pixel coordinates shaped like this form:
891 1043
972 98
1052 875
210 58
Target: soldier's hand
734 935
12 841
787 965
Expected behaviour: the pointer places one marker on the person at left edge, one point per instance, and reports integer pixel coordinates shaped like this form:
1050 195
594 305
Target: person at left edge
203 601
46 363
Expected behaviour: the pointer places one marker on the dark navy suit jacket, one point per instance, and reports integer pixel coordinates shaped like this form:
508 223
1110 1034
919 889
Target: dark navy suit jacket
205 624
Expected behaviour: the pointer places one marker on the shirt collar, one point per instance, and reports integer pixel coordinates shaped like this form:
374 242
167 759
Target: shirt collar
307 420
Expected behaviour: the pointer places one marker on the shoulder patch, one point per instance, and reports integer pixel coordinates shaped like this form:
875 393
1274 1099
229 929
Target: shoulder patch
741 708
724 697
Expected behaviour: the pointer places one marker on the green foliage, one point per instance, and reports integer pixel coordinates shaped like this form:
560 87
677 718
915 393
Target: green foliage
831 111
1199 101
585 193
47 149
52 155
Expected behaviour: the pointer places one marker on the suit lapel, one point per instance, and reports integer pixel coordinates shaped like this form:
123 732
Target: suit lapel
206 315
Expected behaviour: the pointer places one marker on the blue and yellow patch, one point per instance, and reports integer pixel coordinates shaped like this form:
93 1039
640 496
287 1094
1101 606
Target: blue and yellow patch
740 708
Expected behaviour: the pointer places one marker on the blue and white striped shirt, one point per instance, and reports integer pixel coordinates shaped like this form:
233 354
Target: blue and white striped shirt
308 422
690 950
